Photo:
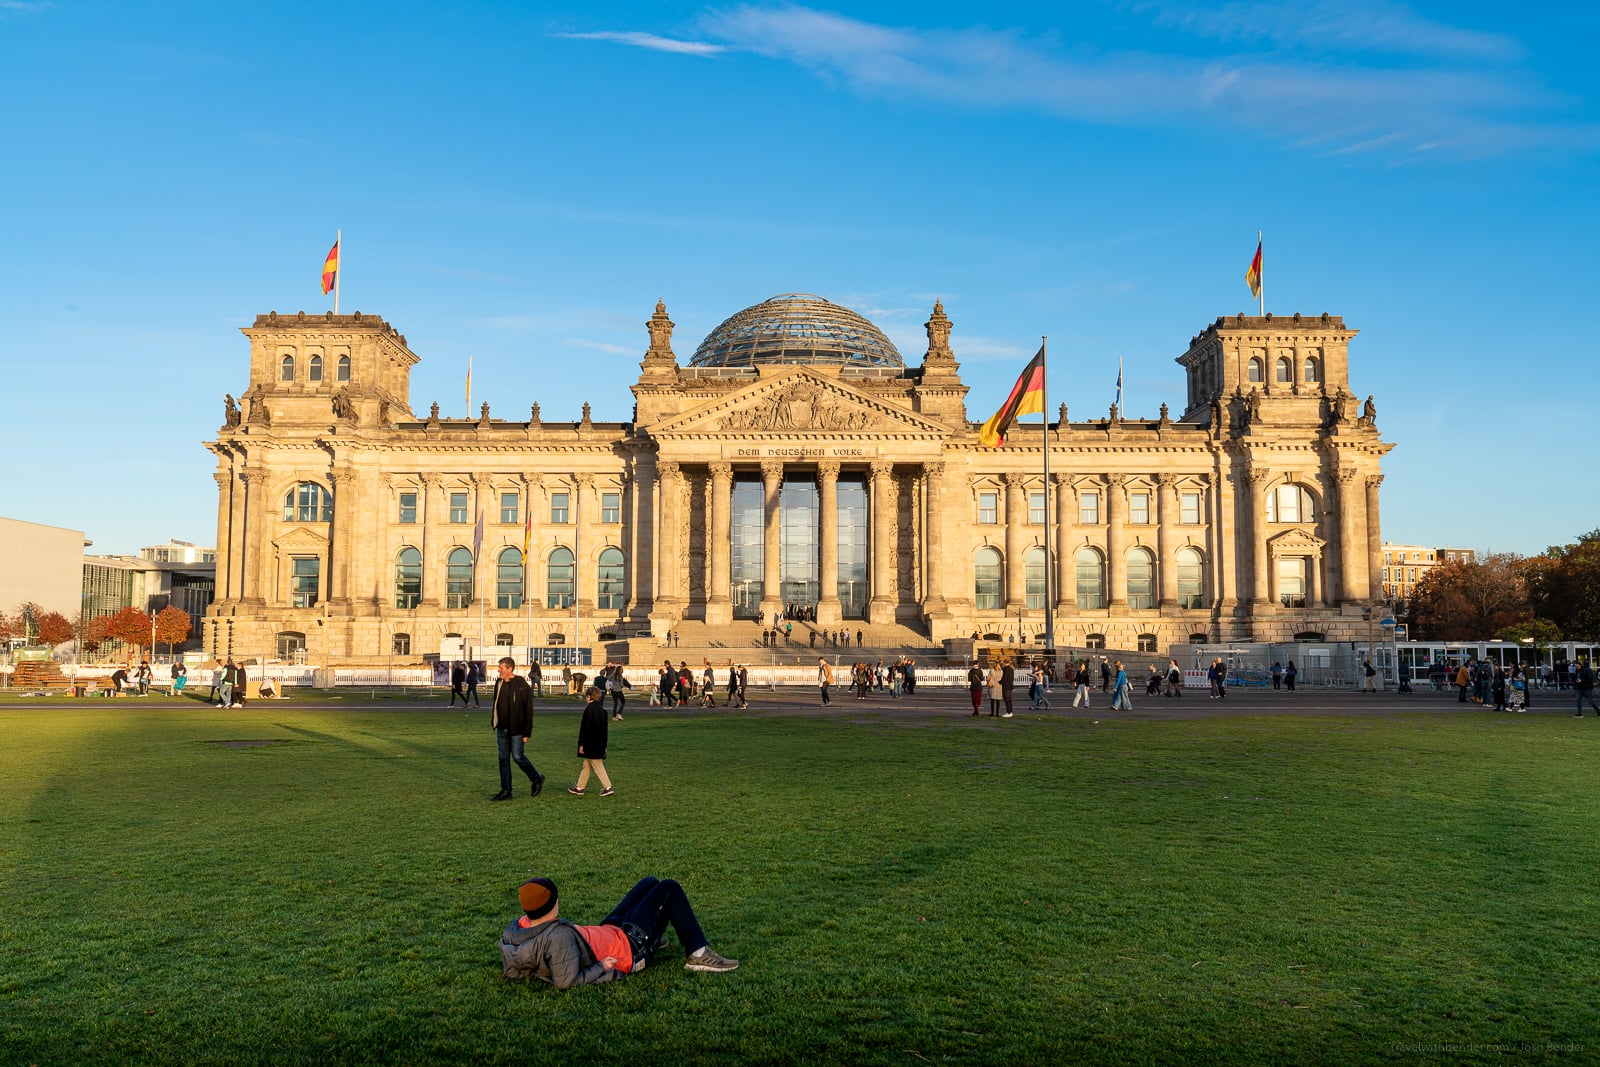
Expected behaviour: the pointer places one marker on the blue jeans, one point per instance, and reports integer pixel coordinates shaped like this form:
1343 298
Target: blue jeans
1586 694
649 907
511 751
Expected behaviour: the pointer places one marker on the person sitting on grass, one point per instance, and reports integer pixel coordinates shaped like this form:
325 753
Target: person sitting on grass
545 946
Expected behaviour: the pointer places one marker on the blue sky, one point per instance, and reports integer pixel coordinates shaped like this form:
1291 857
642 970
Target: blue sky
522 183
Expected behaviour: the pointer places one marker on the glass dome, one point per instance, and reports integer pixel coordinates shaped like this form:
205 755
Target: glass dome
796 328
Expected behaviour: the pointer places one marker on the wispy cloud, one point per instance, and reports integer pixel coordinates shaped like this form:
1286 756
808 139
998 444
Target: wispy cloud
1458 92
651 41
22 7
601 346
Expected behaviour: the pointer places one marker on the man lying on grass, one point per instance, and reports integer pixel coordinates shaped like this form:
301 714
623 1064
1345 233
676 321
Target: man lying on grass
545 946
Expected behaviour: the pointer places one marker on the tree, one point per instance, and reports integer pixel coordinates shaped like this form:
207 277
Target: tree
93 633
1465 601
53 628
9 626
130 626
172 626
1565 586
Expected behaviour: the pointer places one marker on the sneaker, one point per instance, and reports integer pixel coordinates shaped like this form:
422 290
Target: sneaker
538 785
607 791
706 960
1006 714
575 791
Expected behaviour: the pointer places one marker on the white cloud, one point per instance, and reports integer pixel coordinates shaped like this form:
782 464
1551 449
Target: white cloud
651 41
601 346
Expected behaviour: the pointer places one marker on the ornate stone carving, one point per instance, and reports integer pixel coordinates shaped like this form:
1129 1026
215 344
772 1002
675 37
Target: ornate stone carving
1115 481
259 414
1345 475
222 478
586 422
1258 476
433 416
660 327
721 470
803 405
343 406
533 417
1167 482
882 468
1374 480
1339 407
230 411
938 327
668 470
934 468
828 470
1166 417
1369 415
771 470
1063 420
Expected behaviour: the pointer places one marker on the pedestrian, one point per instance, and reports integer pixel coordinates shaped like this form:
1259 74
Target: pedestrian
144 678
1152 685
975 685
1105 675
1371 684
1499 688
566 679
180 677
744 684
536 679
1222 679
1122 695
1040 689
824 678
1277 674
458 683
1081 680
666 683
708 687
511 717
1289 675
685 683
1008 682
992 680
241 686
617 686
1174 679
474 677
1583 686
230 680
545 946
215 696
592 732
733 685
859 634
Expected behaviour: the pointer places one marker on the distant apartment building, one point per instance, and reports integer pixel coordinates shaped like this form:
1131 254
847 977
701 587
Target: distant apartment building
1406 565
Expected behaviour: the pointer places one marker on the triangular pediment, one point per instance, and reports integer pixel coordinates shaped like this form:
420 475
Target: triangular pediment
798 402
301 539
1296 543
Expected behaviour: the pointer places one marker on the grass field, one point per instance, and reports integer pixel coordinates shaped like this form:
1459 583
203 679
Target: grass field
901 888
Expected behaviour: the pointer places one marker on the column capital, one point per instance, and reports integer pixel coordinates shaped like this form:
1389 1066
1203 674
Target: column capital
1116 481
341 476
430 480
771 470
583 479
1345 475
223 478
1374 480
934 468
1062 479
1258 476
666 469
1167 481
722 470
881 468
828 470
255 479
1014 480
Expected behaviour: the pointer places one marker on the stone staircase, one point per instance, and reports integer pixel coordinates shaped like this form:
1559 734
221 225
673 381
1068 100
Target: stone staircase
38 674
741 642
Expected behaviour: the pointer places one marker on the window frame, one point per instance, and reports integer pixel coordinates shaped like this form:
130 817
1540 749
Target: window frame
989 508
1089 507
611 580
555 597
509 586
458 515
405 509
1036 515
988 579
407 587
1199 500
314 369
1139 504
560 508
514 510
611 507
458 590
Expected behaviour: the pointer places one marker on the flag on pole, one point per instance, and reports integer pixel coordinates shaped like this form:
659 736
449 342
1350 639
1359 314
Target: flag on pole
1027 398
469 387
1119 383
330 269
527 532
477 535
1252 277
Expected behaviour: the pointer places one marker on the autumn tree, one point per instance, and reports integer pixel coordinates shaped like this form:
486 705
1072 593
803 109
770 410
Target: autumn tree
1468 600
172 626
53 628
10 626
1564 585
130 626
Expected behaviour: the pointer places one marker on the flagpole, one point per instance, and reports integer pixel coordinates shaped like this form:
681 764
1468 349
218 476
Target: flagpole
577 534
1049 607
338 270
1261 282
469 387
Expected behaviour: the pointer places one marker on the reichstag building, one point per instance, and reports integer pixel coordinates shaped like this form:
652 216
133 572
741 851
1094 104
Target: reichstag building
796 462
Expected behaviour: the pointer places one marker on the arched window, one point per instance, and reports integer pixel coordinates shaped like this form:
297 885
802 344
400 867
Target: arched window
1091 578
555 639
508 580
1199 639
609 592
1290 503
559 579
986 588
504 640
291 644
1147 642
1285 370
458 578
343 372
1033 578
1313 373
1258 373
1094 641
1191 579
408 578
401 644
308 502
286 369
1141 579
314 369
1310 635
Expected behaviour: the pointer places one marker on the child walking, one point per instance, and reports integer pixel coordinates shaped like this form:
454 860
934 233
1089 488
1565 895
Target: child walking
592 744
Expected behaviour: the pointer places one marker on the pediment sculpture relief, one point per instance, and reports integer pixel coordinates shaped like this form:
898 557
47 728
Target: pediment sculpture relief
802 406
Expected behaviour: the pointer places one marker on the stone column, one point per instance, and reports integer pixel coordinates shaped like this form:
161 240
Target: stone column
224 579
1168 516
1066 591
1016 589
258 514
236 534
586 521
341 538
885 531
433 541
1374 538
719 604
772 481
828 607
1255 514
1116 543
669 496
934 559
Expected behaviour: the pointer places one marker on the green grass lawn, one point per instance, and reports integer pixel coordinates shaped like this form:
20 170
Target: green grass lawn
933 889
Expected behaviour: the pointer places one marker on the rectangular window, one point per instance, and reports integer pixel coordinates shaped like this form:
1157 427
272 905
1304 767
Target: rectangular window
401 644
558 508
1088 509
408 507
1036 509
989 507
305 581
610 507
1292 582
458 507
508 508
1189 503
1139 508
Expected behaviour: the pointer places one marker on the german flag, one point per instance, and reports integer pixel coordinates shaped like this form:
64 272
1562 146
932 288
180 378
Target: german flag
330 269
1027 398
1252 277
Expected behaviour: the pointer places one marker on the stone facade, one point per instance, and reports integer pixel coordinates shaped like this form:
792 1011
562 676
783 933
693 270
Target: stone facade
1253 515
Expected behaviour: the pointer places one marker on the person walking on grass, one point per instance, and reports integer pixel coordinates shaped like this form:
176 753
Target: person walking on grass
1583 686
545 946
511 717
824 678
474 679
458 683
592 737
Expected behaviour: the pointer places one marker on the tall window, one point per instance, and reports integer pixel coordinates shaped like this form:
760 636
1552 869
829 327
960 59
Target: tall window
286 369
1036 509
458 578
305 581
408 578
855 546
343 375
1285 370
1191 579
1033 578
609 591
1257 372
508 508
1139 508
988 507
1289 503
747 546
458 507
610 507
559 579
1141 579
408 507
1089 569
308 502
1292 582
1189 508
558 508
1313 373
1088 509
401 644
986 590
508 579
314 369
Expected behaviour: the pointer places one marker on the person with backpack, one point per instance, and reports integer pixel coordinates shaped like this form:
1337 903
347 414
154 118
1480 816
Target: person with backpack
1583 686
975 685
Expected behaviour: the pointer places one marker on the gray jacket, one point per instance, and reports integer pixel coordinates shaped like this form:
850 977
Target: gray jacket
553 952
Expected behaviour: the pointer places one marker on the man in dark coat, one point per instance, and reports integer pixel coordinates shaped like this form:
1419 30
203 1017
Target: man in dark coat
511 715
1008 681
458 683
